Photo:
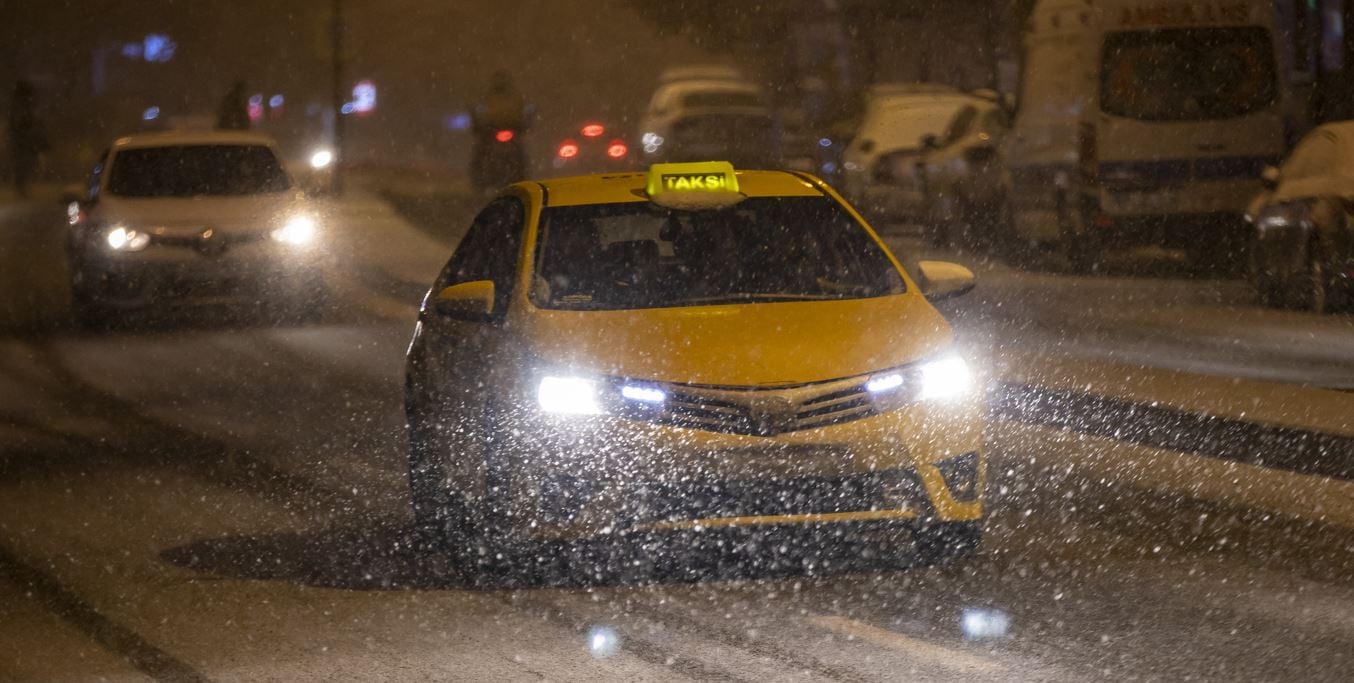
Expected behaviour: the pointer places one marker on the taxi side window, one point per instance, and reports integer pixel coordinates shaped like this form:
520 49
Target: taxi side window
489 250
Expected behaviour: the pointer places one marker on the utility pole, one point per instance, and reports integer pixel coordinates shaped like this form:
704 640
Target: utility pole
336 44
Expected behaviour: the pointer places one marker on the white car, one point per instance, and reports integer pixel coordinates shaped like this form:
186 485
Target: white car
878 164
709 118
1145 123
192 217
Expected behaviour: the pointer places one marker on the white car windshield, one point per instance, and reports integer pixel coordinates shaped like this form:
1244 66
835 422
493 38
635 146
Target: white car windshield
196 170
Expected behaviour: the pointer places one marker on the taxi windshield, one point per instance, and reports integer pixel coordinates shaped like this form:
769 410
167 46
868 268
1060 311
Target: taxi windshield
624 256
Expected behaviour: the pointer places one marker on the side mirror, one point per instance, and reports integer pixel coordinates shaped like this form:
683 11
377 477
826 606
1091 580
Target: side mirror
72 192
944 280
469 301
1270 178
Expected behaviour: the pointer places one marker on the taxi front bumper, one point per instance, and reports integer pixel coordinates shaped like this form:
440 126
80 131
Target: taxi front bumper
589 475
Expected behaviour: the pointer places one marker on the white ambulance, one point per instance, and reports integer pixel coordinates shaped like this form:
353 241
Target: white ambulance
1144 122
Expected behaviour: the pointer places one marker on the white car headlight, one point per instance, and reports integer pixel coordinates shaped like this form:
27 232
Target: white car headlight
943 379
298 230
321 158
122 238
568 396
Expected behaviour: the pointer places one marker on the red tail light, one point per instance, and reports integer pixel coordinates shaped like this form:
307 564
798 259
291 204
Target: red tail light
568 150
1088 160
504 135
593 130
617 149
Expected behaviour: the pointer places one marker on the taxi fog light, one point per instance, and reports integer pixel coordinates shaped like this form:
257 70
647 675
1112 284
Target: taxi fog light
984 624
644 394
884 383
945 379
568 396
297 231
125 239
961 476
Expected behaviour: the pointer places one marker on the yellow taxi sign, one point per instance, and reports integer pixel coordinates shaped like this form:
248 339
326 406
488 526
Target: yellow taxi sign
698 176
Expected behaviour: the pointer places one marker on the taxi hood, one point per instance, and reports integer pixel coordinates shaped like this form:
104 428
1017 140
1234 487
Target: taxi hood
764 344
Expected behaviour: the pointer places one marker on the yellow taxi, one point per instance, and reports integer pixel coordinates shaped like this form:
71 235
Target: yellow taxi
692 349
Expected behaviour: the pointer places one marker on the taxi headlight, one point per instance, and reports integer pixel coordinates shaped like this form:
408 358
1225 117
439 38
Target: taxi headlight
123 238
298 230
944 379
568 396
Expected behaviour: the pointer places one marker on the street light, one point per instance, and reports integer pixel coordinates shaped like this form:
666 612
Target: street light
339 97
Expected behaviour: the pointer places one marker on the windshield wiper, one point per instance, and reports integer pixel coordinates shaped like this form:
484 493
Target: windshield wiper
759 297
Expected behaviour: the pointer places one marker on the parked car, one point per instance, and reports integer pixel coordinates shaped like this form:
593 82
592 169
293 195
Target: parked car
1302 225
1139 126
695 119
960 175
879 164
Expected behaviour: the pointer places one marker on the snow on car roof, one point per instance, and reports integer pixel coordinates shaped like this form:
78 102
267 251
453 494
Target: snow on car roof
193 137
904 126
690 72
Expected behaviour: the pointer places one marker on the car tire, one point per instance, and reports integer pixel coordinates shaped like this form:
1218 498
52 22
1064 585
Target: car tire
1268 291
1078 247
1081 254
1011 246
87 309
440 518
941 542
1314 291
1269 294
936 233
980 228
481 536
309 303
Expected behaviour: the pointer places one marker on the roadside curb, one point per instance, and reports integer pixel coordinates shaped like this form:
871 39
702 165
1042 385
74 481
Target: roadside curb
1290 449
1145 433
1171 475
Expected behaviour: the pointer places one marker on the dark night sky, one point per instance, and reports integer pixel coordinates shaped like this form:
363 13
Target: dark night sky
429 58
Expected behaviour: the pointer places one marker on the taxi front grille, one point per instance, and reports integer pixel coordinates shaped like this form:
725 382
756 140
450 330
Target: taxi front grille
767 412
869 491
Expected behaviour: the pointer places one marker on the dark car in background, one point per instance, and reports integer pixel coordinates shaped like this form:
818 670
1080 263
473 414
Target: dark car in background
592 147
960 177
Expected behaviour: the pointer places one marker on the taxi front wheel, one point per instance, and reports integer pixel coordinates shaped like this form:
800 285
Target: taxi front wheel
474 514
